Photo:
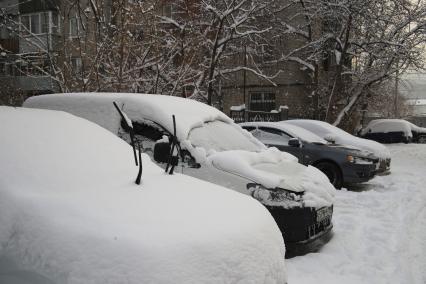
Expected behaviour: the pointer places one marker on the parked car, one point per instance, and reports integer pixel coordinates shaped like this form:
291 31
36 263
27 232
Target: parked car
71 213
393 131
340 164
210 146
336 135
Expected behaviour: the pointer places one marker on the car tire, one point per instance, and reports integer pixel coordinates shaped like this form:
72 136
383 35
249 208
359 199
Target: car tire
332 172
421 139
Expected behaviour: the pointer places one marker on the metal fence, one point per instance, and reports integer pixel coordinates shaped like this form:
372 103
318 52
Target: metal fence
249 115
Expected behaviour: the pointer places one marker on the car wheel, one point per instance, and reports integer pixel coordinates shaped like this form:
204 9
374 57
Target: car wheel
422 140
332 172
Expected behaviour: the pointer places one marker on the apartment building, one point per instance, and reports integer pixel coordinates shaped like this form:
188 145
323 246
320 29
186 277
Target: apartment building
30 37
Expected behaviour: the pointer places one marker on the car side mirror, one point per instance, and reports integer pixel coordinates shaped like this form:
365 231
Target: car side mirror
294 142
330 138
162 152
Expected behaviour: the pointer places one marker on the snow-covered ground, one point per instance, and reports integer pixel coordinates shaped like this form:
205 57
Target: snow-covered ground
379 229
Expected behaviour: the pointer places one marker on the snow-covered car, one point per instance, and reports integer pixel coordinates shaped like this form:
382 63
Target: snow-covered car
393 131
210 146
71 213
336 135
342 165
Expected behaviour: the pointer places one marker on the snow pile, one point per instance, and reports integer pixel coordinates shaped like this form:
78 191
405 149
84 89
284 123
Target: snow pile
215 136
392 125
70 211
238 108
139 107
275 169
100 110
324 129
379 229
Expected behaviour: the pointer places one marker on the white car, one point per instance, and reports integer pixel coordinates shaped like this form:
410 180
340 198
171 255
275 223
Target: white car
70 212
210 146
336 135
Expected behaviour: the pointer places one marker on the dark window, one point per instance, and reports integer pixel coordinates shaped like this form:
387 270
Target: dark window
262 101
35 24
73 27
76 65
249 128
26 26
44 17
168 10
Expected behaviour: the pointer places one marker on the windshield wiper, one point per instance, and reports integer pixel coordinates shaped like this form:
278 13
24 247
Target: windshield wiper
129 128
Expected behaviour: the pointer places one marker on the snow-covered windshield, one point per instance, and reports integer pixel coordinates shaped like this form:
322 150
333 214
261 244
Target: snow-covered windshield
221 136
302 133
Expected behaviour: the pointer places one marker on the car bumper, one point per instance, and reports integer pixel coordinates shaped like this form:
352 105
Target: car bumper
356 173
304 229
311 245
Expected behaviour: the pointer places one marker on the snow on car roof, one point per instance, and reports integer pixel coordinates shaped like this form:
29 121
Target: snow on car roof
391 125
324 129
159 108
69 210
293 130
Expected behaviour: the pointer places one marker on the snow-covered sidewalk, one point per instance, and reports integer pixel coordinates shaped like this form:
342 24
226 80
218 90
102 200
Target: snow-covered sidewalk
379 229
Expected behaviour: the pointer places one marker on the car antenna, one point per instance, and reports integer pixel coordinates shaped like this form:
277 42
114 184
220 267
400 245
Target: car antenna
173 155
129 127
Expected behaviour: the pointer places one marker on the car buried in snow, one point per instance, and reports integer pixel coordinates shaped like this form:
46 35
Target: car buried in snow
335 135
70 212
342 165
393 131
210 146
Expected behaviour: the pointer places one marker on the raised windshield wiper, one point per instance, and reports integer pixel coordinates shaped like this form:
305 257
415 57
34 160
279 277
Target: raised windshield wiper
129 128
173 154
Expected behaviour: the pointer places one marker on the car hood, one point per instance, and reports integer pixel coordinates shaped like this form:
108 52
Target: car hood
354 151
273 169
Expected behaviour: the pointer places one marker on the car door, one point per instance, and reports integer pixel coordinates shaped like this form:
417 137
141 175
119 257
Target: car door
274 137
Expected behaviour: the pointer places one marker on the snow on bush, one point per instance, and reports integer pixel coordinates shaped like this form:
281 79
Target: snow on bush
70 211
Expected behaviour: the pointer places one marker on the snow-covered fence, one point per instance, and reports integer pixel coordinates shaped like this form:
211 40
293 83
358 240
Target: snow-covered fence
249 115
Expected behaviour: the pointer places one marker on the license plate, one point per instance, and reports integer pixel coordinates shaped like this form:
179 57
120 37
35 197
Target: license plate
323 214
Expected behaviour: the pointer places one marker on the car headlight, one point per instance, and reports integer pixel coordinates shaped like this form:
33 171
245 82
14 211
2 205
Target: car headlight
273 196
358 160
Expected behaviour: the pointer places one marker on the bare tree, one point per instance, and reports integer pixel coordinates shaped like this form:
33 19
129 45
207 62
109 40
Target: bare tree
206 36
353 45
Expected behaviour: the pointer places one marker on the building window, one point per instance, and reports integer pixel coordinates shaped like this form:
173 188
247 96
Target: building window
262 101
168 10
38 23
44 23
74 27
55 23
76 65
35 24
26 26
3 71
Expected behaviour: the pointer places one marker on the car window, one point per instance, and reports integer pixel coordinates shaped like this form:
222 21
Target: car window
273 136
249 128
